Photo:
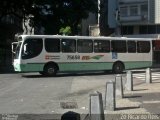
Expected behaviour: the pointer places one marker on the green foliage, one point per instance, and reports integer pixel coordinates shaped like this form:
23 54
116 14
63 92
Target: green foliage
65 31
51 14
19 8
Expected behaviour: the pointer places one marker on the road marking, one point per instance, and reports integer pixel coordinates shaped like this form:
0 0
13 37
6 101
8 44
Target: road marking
151 102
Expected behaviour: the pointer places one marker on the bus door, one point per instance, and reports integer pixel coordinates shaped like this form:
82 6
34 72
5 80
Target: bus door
14 46
156 52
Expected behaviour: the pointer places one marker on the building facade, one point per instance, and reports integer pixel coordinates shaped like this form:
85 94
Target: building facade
87 24
135 17
140 17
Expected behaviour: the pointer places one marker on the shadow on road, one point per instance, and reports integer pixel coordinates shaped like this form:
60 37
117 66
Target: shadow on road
126 108
132 96
69 74
140 89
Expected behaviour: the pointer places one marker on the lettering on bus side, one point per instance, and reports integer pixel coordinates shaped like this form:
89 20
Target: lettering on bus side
86 57
73 57
51 57
96 57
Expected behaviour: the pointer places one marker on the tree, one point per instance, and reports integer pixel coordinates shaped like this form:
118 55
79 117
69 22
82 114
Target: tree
75 11
57 14
19 8
51 14
16 9
66 30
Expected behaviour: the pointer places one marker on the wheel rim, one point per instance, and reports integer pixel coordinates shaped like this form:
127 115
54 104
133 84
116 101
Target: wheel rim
51 71
118 68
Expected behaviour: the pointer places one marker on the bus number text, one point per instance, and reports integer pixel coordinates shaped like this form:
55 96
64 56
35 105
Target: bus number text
73 57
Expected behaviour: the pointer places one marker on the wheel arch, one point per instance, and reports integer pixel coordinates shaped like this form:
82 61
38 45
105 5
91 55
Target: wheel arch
51 63
118 62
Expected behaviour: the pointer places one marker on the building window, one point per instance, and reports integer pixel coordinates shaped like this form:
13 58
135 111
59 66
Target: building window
123 11
126 30
152 29
158 28
144 9
143 29
149 29
133 10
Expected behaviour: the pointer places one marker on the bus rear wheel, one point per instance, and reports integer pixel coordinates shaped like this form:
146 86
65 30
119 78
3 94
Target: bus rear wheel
118 67
50 70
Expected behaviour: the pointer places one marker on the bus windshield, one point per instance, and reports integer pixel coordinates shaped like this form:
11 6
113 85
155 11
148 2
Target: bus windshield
17 50
32 48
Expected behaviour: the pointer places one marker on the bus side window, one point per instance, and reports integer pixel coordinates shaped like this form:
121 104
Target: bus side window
84 46
131 46
52 45
119 46
143 47
101 46
68 45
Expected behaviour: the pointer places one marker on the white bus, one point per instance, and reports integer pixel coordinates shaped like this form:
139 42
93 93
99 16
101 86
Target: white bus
48 54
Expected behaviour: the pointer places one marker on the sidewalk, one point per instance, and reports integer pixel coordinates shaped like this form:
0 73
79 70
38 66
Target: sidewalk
143 100
147 95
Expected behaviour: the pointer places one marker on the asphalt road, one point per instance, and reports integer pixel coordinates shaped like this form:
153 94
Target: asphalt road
32 93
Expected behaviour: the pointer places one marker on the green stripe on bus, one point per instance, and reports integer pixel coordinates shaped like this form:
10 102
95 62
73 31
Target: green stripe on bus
139 64
84 66
101 66
78 66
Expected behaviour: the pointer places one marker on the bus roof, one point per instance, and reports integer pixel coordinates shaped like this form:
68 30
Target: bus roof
83 37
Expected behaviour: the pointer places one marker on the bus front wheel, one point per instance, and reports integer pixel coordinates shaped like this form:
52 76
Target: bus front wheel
41 72
50 70
118 67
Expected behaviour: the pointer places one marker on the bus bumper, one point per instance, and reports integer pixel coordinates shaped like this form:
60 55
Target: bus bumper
17 67
28 67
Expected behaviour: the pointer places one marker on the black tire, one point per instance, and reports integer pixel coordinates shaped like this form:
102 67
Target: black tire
118 68
50 70
41 72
